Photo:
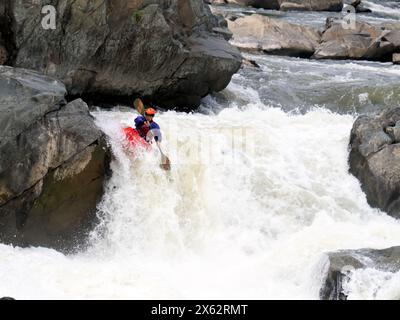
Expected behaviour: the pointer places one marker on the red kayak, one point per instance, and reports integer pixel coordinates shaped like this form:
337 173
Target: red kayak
135 140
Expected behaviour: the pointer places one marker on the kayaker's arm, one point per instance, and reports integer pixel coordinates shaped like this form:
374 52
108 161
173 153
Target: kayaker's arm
156 132
141 121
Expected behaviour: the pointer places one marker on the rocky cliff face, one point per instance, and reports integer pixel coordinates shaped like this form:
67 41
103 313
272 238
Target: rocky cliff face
53 162
170 51
375 159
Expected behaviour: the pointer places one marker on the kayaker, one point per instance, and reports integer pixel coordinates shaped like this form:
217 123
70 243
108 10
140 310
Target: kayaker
147 128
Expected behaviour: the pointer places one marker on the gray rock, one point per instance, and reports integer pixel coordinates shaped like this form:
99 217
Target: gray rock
394 132
53 162
396 58
342 43
365 41
250 63
379 49
273 36
7 41
383 47
312 5
360 8
3 55
126 48
224 32
341 262
375 159
358 5
393 37
265 4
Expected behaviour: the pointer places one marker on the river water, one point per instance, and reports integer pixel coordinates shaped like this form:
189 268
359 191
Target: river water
259 191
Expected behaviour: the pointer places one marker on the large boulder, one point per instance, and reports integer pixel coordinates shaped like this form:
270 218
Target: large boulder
312 5
339 42
272 36
375 159
165 50
365 41
340 264
53 163
393 37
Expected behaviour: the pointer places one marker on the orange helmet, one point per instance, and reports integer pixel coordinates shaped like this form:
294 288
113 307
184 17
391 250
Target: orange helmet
150 112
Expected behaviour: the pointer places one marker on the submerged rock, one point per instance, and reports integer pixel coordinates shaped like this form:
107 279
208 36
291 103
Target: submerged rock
53 162
272 36
250 63
375 159
167 51
339 265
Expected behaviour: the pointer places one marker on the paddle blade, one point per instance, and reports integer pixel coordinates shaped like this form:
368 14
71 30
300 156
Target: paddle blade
139 106
165 163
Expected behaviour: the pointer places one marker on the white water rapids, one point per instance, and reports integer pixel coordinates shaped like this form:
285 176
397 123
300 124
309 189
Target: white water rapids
250 219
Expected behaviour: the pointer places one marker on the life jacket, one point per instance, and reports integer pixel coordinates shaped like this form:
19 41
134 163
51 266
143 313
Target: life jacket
144 130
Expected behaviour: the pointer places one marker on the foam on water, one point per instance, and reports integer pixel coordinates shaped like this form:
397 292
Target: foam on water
368 284
384 9
254 199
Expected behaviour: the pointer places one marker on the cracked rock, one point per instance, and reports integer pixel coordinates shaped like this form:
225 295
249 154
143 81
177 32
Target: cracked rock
53 162
114 50
375 159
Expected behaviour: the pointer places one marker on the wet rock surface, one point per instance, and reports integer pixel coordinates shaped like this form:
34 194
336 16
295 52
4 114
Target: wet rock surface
167 51
261 33
375 159
54 161
341 263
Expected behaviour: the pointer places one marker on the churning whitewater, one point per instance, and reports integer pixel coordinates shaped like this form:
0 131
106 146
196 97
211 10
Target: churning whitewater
255 197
